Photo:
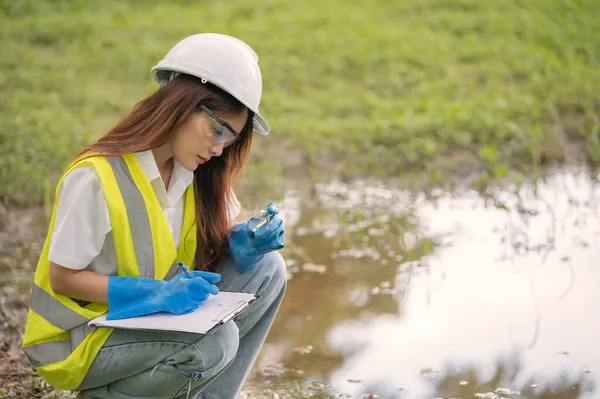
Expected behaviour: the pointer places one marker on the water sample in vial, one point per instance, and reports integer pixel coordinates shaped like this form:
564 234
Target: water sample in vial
258 220
263 217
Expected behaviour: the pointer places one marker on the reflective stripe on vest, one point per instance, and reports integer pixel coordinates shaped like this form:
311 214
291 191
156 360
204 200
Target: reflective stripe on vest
57 339
137 217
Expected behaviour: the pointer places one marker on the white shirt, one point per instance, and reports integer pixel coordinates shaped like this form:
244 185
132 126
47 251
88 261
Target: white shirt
82 235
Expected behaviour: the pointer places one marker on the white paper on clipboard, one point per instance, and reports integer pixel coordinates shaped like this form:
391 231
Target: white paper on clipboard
216 310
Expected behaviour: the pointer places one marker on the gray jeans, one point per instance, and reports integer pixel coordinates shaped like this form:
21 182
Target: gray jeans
154 364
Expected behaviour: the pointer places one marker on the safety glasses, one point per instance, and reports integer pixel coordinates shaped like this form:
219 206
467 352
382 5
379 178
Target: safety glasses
223 133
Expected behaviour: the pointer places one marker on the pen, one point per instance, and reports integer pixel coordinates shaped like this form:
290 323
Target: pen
185 269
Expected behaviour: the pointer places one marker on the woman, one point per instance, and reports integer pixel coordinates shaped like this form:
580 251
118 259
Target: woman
154 191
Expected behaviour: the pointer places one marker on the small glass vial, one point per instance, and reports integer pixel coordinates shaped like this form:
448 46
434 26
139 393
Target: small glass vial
258 220
262 217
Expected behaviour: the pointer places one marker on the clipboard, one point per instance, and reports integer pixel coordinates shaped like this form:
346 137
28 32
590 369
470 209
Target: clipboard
212 313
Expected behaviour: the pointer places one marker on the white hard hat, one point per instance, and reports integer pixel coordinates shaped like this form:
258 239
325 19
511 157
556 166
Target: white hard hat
222 60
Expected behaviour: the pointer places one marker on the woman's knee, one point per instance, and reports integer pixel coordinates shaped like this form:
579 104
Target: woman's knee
226 342
274 266
212 353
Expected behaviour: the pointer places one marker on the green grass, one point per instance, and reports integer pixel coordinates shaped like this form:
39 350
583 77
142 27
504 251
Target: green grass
378 86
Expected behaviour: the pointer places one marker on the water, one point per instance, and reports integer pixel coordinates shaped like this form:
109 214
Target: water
397 295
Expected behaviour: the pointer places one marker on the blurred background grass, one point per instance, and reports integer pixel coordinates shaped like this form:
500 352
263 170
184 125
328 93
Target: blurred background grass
364 87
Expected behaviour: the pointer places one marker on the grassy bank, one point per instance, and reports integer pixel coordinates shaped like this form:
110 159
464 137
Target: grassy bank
382 86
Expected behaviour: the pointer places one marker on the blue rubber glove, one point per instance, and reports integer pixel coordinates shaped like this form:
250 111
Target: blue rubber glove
131 297
247 247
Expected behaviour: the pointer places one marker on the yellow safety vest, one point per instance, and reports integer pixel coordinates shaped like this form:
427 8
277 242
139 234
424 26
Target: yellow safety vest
58 341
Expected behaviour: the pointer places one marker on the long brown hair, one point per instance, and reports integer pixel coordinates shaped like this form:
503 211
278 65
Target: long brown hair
151 123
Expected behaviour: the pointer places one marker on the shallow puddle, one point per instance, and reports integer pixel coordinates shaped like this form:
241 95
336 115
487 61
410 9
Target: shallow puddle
396 295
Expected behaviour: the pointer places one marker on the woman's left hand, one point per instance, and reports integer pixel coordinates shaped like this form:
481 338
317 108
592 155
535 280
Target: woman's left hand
247 247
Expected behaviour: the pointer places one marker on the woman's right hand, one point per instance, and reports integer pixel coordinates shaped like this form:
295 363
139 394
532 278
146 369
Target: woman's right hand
132 297
182 294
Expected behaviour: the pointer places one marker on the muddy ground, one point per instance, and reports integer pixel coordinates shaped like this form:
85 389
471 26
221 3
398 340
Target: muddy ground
22 233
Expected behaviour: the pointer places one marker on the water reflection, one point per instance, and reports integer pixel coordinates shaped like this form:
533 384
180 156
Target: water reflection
398 295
